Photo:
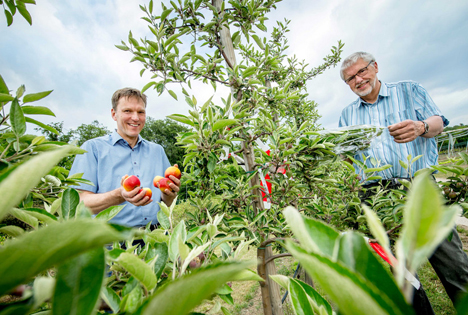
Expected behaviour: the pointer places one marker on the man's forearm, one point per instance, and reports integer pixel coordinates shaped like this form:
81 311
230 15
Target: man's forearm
436 126
101 201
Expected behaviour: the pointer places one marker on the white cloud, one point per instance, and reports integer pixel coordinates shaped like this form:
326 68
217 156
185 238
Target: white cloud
70 49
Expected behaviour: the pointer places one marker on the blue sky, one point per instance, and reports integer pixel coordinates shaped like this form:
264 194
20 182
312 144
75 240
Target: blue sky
70 49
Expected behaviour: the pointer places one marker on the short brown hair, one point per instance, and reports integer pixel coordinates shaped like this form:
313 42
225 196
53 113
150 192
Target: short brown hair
127 93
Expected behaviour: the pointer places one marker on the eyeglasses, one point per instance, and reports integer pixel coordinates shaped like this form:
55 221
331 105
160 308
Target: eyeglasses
360 73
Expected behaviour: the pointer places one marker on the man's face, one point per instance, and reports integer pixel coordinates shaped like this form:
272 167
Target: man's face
365 84
130 116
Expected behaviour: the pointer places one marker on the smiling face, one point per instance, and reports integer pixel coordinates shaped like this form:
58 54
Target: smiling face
130 116
367 85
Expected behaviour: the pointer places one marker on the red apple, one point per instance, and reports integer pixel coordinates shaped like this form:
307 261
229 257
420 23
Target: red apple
174 171
148 192
164 184
130 183
195 263
156 181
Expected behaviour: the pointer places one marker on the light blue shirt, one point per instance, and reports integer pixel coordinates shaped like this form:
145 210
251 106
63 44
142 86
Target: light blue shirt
396 102
109 158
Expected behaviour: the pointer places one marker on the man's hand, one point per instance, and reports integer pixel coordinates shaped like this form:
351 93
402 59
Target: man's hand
406 131
135 197
168 196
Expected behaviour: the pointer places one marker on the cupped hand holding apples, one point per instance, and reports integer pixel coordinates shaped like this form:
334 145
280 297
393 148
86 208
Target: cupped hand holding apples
133 193
170 183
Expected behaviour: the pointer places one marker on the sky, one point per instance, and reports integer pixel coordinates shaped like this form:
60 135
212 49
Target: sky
70 49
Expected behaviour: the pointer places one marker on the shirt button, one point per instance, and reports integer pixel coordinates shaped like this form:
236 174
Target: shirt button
134 162
145 218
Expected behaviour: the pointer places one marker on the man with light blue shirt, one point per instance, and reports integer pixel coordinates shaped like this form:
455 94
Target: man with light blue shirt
413 120
124 152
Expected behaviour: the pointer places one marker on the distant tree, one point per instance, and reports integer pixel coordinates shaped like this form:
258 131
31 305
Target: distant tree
50 136
86 132
164 132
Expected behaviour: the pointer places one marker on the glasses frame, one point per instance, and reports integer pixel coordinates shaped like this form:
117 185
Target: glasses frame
360 73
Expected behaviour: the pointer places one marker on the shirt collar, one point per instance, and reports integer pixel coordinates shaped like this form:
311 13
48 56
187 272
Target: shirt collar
115 137
382 93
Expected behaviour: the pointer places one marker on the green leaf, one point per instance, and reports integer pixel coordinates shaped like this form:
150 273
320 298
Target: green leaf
23 178
11 230
173 94
6 97
35 97
299 299
222 123
403 164
355 253
23 11
181 118
249 71
376 228
258 41
18 123
183 294
44 126
159 250
163 220
147 86
122 47
111 298
179 231
109 213
78 283
139 269
313 235
9 17
344 287
426 222
165 14
25 217
3 87
37 110
377 169
70 200
52 245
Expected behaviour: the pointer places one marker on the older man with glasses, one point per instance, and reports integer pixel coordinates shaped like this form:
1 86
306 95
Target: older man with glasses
413 120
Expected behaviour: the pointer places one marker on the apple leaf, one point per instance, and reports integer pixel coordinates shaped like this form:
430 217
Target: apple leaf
70 200
35 97
183 294
37 110
17 120
139 269
109 213
23 178
34 252
181 118
78 283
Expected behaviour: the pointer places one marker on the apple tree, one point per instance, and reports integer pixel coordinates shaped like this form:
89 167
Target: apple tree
267 110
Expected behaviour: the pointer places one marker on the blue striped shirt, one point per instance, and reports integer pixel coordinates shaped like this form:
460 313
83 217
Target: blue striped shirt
111 157
396 102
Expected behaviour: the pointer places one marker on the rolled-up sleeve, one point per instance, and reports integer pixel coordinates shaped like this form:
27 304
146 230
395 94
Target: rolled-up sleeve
425 106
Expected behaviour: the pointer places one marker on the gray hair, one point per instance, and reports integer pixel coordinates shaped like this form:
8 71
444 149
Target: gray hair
352 59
